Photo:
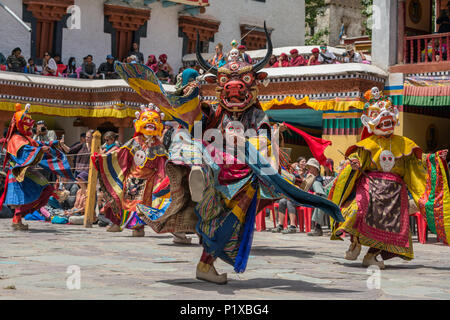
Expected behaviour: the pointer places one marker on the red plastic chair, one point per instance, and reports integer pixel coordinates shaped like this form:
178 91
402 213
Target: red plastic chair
421 227
274 216
304 214
261 220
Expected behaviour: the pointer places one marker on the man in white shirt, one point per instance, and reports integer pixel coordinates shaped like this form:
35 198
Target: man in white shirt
352 56
326 56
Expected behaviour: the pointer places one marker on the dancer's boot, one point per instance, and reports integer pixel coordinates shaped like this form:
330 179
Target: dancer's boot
180 238
207 272
138 232
370 259
113 228
197 183
353 251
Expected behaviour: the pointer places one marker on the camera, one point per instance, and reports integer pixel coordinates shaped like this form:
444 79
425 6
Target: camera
43 129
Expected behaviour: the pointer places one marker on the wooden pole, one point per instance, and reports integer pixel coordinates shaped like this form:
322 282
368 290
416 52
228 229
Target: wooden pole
89 212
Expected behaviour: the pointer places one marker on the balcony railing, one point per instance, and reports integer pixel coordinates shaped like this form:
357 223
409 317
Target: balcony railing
426 48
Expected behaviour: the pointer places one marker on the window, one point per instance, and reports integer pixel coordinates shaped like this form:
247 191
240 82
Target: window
188 30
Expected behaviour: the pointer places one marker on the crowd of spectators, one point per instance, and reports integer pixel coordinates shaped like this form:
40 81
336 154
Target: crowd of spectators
52 65
318 56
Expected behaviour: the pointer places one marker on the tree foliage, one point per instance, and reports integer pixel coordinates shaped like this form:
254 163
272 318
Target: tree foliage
317 38
313 9
367 13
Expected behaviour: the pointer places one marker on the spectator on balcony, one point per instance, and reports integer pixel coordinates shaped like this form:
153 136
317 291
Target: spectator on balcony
31 67
131 59
16 62
106 69
71 70
135 52
296 59
219 59
314 57
61 66
165 71
272 61
245 56
282 61
88 69
49 66
325 56
152 63
444 20
350 56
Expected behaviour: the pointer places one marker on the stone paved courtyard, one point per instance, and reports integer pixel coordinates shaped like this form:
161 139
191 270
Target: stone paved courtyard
34 265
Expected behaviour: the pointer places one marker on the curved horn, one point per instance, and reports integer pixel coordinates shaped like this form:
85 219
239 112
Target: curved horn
265 61
205 65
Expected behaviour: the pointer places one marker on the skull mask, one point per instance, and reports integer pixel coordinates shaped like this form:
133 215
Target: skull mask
376 94
234 55
387 160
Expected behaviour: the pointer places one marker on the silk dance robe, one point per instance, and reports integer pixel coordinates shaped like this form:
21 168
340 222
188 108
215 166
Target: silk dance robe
130 176
375 205
26 188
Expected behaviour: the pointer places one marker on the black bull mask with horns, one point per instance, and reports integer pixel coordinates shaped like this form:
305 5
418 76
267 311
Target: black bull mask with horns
237 80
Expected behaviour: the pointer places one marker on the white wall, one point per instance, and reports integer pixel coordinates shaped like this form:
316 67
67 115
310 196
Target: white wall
90 39
286 17
12 33
162 35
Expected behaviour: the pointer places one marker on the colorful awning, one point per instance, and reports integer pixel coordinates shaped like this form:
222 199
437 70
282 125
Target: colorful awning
427 91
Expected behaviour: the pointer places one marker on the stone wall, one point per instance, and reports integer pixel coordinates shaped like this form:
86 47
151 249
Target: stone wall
338 12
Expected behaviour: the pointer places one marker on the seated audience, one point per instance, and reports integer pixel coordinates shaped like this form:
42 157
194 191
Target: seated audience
81 196
351 56
165 71
272 61
88 69
296 59
282 61
245 57
106 69
31 67
314 57
16 62
71 70
49 66
152 63
135 52
325 56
